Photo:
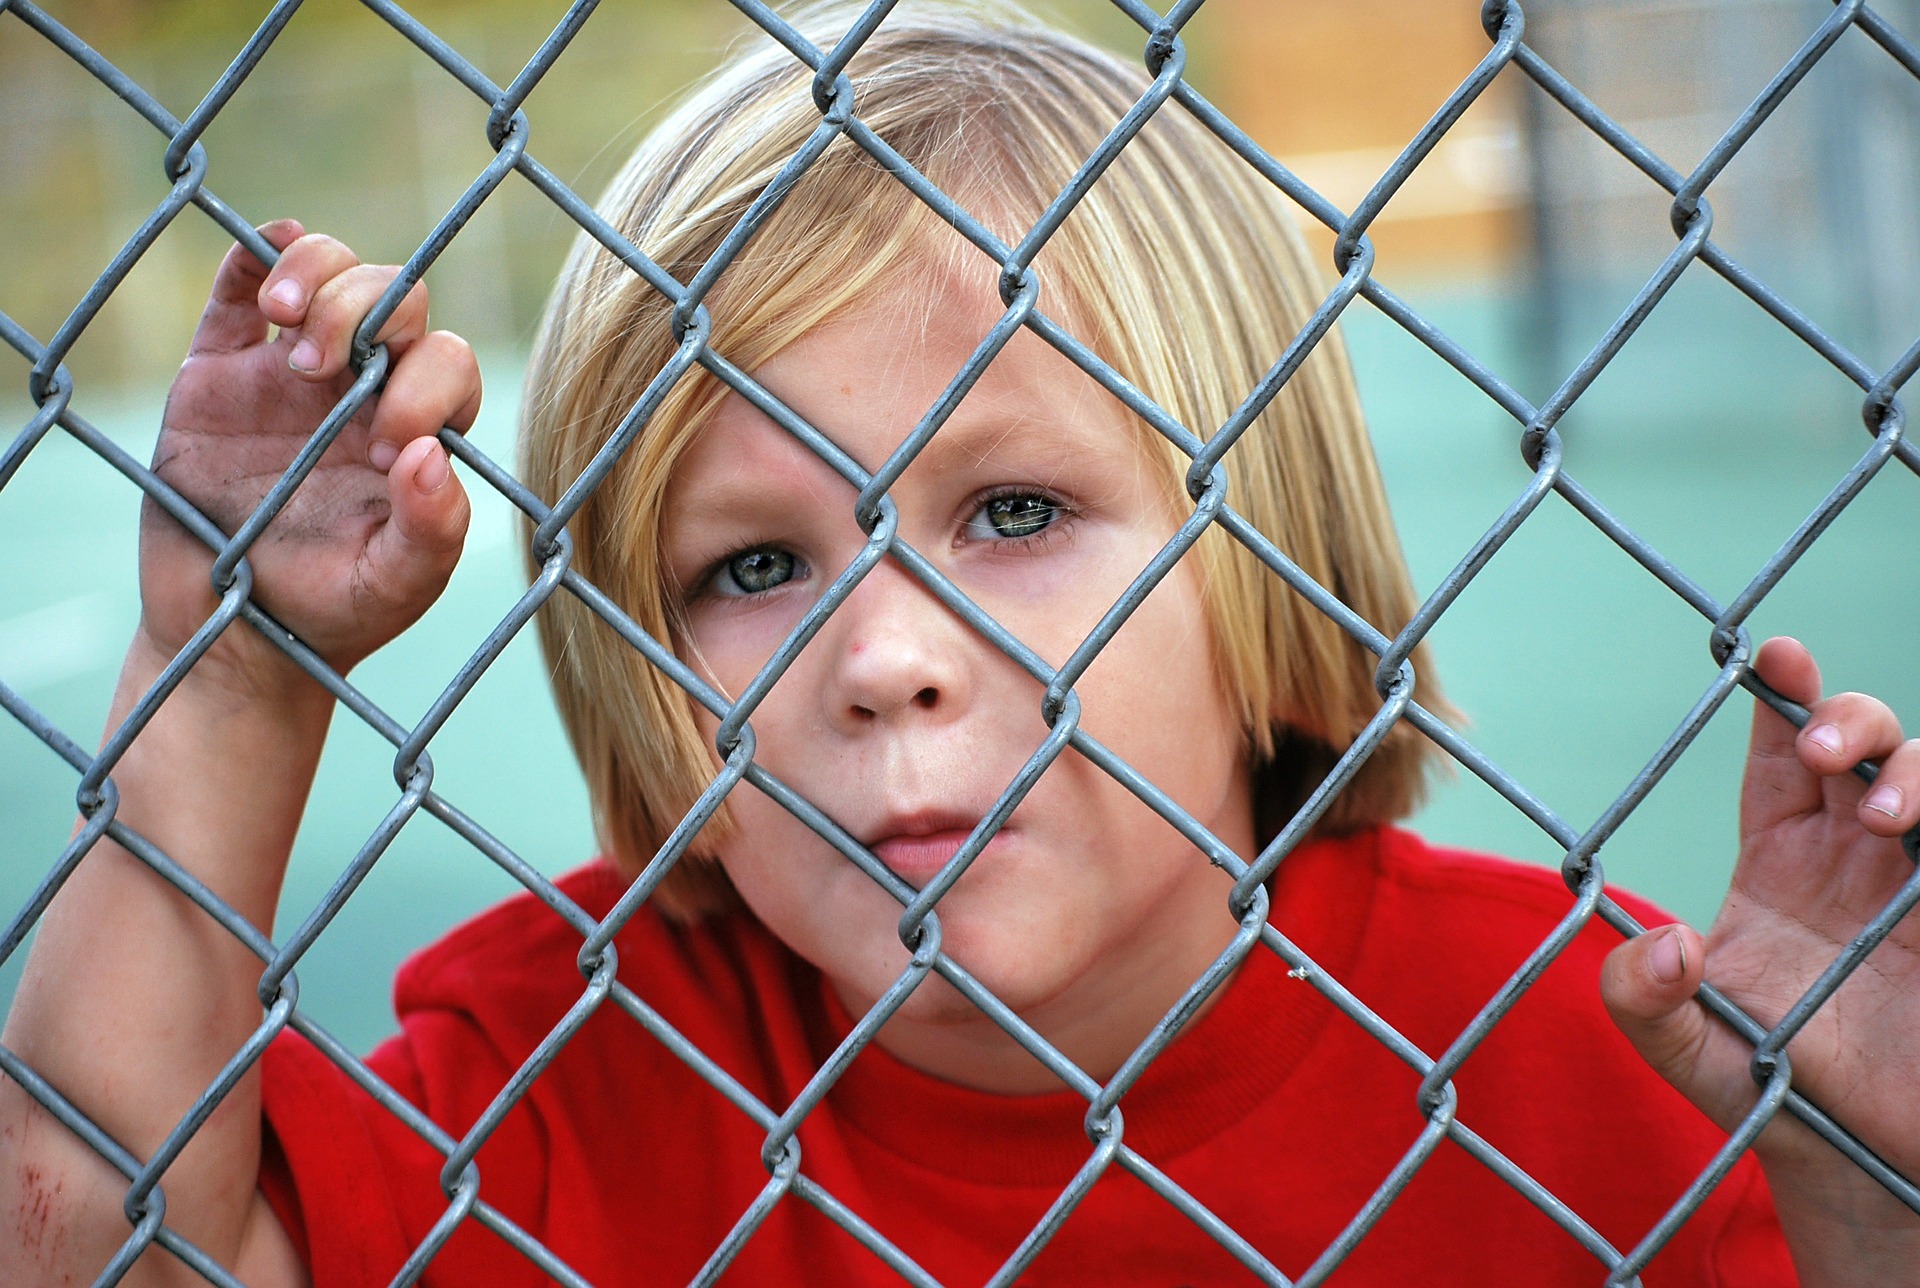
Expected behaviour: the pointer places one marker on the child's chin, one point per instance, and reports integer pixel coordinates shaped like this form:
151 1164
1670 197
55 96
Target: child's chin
1014 976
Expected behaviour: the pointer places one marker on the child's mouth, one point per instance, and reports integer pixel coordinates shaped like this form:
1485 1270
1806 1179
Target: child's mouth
917 851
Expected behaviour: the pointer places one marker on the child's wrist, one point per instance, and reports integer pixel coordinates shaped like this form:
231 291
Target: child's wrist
215 730
236 679
1843 1226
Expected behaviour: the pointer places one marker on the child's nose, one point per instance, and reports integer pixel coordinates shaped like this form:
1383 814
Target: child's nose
897 652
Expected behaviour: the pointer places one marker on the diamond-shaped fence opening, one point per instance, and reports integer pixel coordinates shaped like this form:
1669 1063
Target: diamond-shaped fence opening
1171 1138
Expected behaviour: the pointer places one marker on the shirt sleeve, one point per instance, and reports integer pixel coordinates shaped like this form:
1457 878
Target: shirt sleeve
355 1186
326 1164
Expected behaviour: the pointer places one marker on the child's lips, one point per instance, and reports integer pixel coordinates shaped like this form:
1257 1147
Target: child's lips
917 858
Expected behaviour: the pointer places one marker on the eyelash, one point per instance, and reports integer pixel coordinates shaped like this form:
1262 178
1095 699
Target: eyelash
1030 543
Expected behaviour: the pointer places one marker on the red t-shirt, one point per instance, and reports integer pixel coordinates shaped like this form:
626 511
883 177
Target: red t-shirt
1273 1110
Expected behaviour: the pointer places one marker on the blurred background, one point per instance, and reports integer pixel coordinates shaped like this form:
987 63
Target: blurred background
1522 237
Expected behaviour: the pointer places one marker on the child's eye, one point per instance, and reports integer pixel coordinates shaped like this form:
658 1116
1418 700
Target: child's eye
1014 515
753 572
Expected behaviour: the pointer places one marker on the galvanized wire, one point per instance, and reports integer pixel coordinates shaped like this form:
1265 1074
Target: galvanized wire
183 161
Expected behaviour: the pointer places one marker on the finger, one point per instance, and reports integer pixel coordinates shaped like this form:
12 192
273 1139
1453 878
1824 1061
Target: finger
1841 732
1648 985
1777 785
1891 807
1845 730
434 383
413 553
336 310
233 319
305 264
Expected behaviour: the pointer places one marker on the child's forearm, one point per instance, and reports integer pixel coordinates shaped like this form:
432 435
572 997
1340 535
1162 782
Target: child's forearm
133 998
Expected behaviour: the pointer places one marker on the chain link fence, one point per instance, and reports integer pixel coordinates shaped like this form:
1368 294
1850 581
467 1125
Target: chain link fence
508 129
1674 73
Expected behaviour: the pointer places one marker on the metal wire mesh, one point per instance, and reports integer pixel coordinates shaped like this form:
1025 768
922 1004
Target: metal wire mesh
185 161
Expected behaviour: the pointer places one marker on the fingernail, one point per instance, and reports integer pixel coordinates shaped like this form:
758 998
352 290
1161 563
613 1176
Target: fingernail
1827 737
1886 799
288 292
431 474
381 454
305 356
1667 959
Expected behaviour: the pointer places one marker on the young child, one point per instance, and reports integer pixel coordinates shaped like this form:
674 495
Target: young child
1088 914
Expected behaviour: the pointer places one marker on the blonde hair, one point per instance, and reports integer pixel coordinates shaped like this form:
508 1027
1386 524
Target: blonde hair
1181 268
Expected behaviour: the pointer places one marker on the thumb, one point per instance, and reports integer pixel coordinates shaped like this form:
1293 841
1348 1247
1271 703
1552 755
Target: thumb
1648 984
413 554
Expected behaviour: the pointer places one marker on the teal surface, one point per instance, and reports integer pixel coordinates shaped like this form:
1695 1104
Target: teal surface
1714 437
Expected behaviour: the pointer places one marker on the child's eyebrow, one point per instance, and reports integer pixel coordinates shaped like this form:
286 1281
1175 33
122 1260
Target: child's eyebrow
1030 436
767 488
990 436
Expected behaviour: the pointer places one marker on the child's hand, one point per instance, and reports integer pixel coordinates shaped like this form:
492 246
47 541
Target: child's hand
368 541
1820 855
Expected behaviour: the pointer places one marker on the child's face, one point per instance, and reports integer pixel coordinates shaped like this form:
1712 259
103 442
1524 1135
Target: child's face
1087 913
